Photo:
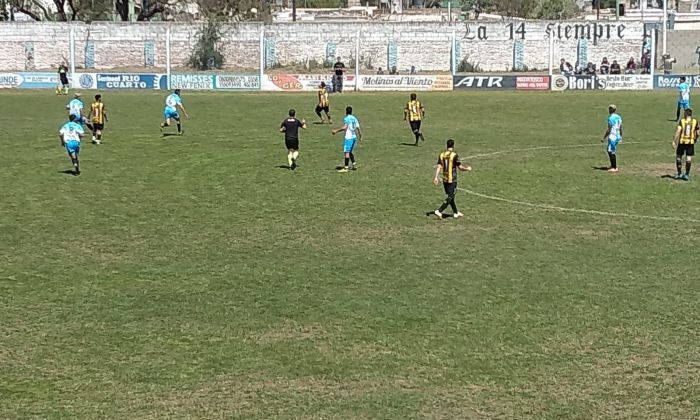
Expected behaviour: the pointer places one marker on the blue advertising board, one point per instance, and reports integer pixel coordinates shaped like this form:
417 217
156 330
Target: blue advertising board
122 81
671 81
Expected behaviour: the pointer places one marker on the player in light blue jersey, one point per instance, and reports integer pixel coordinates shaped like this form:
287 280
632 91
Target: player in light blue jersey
683 98
172 103
70 135
75 108
353 134
613 135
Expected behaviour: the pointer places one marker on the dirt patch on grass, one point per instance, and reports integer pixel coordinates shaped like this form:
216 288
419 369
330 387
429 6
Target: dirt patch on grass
651 169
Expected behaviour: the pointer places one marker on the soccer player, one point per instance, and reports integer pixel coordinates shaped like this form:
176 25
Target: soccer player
683 97
613 135
352 135
62 89
448 164
414 113
98 116
172 103
323 103
684 143
290 128
75 108
70 135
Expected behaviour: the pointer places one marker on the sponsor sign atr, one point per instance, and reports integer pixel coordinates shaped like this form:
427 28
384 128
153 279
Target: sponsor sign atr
484 82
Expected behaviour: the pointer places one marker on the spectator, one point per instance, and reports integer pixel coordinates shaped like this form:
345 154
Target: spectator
605 66
413 70
646 44
339 70
393 70
631 66
380 71
565 68
646 62
590 69
615 68
477 9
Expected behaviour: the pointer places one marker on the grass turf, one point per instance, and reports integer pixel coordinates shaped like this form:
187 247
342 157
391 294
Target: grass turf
190 277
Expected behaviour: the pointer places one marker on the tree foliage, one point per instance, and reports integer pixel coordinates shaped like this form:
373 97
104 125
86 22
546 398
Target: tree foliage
206 54
532 9
187 10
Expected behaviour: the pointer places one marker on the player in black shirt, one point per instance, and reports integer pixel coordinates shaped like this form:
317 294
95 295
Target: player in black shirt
290 128
339 69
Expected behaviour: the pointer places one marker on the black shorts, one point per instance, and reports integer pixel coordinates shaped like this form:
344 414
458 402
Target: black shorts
685 149
97 126
292 143
320 108
64 79
450 188
415 126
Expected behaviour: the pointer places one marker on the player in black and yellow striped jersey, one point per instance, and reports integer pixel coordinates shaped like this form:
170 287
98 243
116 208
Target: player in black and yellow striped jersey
448 164
324 103
684 143
98 115
414 113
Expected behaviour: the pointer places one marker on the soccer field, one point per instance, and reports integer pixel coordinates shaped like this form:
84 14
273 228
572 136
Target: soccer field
193 277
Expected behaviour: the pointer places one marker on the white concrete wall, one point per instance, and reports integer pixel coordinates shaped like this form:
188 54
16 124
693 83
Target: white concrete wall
424 45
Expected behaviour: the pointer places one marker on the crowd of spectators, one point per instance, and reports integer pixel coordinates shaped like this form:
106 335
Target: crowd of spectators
606 67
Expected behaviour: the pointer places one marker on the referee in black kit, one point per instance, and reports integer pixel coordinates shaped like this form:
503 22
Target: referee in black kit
290 128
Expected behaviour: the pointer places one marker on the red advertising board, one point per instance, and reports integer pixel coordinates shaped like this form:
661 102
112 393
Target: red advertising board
532 83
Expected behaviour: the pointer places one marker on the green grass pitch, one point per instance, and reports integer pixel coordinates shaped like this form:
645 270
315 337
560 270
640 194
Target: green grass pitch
190 277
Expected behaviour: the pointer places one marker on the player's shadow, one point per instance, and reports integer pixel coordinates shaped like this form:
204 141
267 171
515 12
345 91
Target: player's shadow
68 172
408 144
601 168
672 120
320 123
667 176
283 167
445 216
171 135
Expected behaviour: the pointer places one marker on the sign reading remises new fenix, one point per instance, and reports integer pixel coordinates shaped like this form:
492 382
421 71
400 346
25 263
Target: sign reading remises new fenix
559 30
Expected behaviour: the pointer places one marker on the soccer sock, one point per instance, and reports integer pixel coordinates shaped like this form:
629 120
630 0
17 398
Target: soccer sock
417 137
454 206
613 160
443 206
179 127
295 154
352 158
289 158
319 114
687 167
421 136
679 164
347 161
678 113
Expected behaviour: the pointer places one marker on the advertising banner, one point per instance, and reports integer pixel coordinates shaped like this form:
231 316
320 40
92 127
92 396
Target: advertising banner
532 82
302 82
29 80
192 81
603 82
236 82
409 82
122 81
506 82
671 81
10 80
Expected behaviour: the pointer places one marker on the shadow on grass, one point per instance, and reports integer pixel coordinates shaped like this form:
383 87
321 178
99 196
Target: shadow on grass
601 168
171 134
68 172
667 176
408 144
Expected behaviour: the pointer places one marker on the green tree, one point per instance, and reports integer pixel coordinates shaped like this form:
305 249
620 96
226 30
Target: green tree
206 54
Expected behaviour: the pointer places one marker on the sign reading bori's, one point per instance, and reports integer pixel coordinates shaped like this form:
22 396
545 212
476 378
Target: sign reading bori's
594 31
